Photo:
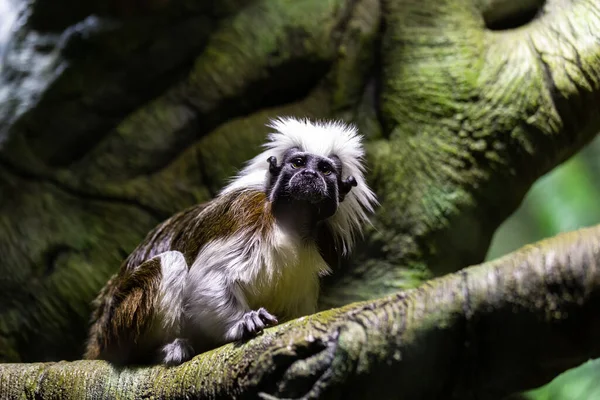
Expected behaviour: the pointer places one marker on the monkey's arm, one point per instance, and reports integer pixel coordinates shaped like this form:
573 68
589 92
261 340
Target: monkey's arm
216 305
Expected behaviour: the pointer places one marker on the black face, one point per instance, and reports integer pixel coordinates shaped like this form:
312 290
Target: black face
306 181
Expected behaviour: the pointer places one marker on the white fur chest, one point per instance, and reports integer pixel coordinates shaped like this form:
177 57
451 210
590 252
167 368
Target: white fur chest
277 271
285 280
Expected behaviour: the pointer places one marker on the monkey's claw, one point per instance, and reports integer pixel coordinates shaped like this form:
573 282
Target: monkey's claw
254 322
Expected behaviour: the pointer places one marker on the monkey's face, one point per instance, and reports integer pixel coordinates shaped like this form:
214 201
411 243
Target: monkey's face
310 179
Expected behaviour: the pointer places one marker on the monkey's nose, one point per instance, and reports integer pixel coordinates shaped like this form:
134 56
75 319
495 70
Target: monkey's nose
309 172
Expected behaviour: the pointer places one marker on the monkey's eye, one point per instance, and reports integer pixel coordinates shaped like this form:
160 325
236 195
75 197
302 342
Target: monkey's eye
298 162
325 169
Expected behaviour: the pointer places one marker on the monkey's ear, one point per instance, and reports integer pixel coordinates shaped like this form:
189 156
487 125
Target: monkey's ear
327 247
274 169
345 186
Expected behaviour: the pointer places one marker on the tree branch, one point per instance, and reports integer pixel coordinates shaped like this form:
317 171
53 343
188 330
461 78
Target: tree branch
484 332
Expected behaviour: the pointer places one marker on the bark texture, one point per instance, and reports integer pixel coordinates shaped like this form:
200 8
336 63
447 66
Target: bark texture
114 115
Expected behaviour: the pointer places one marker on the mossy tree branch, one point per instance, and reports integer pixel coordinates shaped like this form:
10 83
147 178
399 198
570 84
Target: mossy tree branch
483 332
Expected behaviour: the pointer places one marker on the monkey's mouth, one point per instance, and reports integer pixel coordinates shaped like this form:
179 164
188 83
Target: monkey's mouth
306 188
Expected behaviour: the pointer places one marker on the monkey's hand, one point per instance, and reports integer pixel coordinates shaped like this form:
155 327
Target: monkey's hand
254 322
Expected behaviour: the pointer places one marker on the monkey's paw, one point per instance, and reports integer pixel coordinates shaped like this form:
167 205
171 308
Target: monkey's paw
254 322
176 352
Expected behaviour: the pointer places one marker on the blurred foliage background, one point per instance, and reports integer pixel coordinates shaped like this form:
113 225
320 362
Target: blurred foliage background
565 199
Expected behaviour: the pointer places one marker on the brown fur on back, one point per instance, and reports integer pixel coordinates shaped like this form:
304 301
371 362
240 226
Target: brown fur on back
124 309
189 230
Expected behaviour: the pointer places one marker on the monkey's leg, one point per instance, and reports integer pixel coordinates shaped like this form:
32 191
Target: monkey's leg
170 305
140 310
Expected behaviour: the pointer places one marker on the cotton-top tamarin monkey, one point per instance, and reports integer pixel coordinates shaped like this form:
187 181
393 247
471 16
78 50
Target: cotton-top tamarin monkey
251 257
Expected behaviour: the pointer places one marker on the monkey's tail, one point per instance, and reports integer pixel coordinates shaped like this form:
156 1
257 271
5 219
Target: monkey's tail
99 320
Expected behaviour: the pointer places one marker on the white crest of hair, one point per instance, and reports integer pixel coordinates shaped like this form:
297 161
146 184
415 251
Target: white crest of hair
323 138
